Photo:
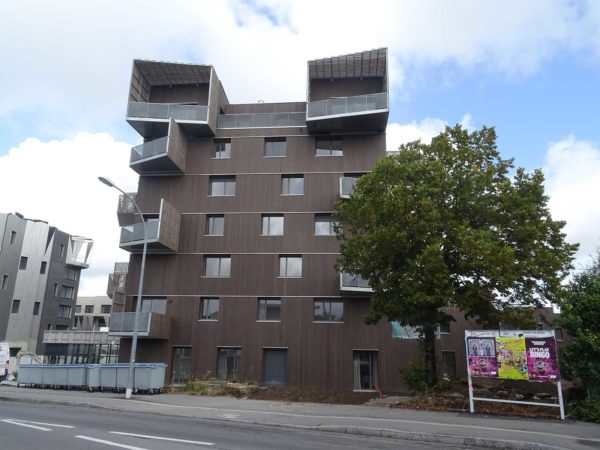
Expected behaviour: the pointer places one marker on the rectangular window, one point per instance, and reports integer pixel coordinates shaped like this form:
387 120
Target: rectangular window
77 309
62 250
209 309
4 282
272 224
89 309
365 370
228 363
329 147
292 185
269 309
324 225
23 263
215 225
443 328
43 267
64 311
154 305
36 308
275 146
13 236
217 266
222 149
55 290
70 273
105 309
449 364
290 266
221 186
66 292
16 304
328 310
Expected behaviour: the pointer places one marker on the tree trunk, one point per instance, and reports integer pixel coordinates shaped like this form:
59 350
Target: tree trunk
429 353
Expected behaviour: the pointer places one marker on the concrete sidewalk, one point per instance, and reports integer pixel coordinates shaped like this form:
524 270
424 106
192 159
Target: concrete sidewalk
464 429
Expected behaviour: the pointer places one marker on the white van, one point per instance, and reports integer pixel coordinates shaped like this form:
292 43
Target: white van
4 358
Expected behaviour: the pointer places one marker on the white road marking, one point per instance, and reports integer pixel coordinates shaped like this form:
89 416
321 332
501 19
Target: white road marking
43 423
112 444
160 438
12 422
229 416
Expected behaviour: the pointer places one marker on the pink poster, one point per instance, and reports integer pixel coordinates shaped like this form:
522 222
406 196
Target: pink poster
482 357
542 362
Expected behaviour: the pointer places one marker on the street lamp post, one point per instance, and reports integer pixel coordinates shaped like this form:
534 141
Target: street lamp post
138 305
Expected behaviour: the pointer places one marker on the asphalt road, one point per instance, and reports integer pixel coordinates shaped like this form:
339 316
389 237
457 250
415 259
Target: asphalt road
33 426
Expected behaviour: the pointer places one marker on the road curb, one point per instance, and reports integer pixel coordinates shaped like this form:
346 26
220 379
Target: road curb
410 436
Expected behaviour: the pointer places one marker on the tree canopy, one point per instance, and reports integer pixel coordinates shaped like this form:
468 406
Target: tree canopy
451 223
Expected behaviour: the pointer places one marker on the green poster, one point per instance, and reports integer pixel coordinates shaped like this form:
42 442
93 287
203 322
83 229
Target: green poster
512 358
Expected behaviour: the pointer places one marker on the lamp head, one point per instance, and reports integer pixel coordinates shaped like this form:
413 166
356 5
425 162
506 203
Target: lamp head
106 181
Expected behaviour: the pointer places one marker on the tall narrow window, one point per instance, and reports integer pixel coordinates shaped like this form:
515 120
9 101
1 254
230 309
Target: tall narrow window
329 147
269 309
290 266
209 309
275 147
23 263
292 185
43 267
222 149
36 308
4 282
77 309
365 370
217 266
221 186
13 236
324 225
272 224
228 363
215 224
62 250
449 364
16 304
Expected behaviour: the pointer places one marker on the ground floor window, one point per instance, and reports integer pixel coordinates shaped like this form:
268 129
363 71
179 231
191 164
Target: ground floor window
274 367
182 364
366 368
449 364
228 363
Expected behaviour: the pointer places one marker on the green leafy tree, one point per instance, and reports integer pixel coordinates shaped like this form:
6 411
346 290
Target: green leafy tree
580 316
447 224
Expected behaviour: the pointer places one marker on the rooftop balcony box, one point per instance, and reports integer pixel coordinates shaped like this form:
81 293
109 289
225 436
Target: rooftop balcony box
348 93
78 251
160 91
150 325
163 156
354 283
163 232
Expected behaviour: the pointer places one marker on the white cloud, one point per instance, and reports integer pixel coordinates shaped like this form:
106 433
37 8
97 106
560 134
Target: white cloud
57 182
572 183
425 130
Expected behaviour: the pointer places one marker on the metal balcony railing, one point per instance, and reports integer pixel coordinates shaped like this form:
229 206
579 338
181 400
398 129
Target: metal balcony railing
123 322
262 120
148 149
354 282
135 232
142 110
348 105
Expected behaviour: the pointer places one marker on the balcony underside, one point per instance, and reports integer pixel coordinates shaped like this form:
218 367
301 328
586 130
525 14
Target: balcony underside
154 128
365 121
154 247
156 165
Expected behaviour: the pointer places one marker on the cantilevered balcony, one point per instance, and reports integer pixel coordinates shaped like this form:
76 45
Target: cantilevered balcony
152 119
356 113
78 251
163 232
126 212
354 283
150 325
164 156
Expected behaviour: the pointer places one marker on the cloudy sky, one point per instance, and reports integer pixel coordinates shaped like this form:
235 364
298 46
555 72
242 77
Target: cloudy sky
530 69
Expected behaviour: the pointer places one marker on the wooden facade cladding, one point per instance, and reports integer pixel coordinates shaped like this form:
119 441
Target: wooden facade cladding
170 223
177 147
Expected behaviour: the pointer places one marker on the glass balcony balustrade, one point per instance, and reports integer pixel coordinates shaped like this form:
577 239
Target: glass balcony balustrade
354 282
191 113
135 232
262 120
122 322
149 149
348 105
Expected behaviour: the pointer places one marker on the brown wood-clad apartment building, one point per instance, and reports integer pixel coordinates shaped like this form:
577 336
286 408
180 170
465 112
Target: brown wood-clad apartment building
240 275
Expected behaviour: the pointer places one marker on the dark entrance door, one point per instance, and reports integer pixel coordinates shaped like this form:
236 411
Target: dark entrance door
274 367
182 364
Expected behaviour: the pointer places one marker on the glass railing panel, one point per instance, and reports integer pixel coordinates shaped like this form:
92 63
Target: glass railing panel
354 281
165 111
243 121
124 322
280 120
262 120
135 232
149 149
347 105
226 121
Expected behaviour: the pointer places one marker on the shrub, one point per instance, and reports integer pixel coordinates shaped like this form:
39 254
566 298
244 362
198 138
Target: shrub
588 410
415 377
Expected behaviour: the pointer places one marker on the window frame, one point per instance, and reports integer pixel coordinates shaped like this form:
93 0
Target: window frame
204 314
327 312
89 309
260 309
227 180
275 140
43 267
23 261
332 223
209 230
237 362
105 310
286 184
218 153
15 306
36 308
285 272
330 151
61 308
4 285
220 262
152 301
268 217
13 237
